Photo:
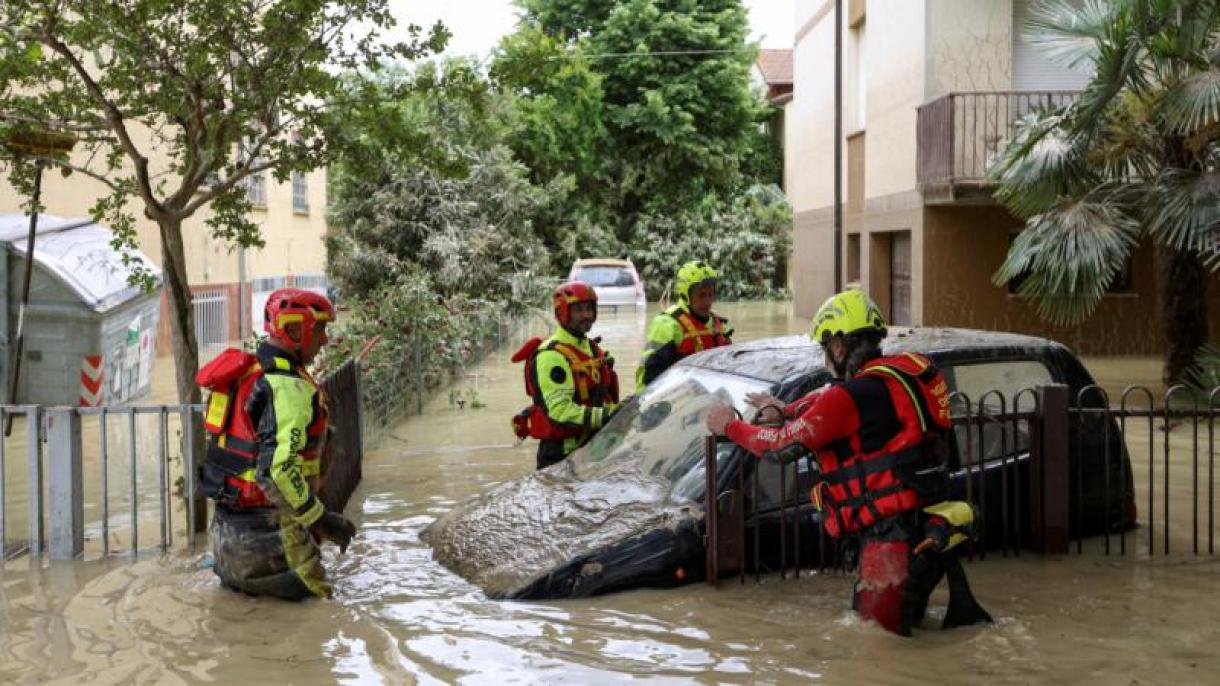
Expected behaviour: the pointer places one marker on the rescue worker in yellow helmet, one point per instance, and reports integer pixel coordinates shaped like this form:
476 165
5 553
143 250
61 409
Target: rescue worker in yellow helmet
267 421
687 327
879 436
569 378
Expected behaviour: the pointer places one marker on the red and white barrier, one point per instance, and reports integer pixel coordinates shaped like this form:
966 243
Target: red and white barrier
91 381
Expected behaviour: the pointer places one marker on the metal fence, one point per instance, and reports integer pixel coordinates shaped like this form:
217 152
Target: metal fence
107 480
1046 470
400 383
211 311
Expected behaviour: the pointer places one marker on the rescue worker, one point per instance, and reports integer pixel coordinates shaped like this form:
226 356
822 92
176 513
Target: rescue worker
687 327
267 421
569 378
879 434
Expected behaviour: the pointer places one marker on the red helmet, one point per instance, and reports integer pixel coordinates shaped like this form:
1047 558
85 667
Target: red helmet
569 294
295 306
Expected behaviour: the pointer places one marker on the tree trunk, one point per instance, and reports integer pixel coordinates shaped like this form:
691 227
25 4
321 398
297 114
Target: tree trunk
182 335
1182 280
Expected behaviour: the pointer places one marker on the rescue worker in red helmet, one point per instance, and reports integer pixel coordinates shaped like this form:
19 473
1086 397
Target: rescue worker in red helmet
267 421
878 434
687 327
569 377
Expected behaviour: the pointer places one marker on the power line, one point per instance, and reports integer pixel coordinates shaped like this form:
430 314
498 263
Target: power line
659 53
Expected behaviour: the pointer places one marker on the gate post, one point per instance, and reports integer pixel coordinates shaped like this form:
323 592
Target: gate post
1049 474
66 491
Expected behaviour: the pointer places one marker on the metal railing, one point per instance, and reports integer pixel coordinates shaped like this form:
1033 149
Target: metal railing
400 383
960 134
1046 470
69 488
211 316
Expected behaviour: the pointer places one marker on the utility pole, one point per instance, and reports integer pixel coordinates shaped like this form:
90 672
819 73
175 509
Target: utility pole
838 228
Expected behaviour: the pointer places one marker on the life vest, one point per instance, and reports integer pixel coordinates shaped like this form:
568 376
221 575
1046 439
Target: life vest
228 474
895 463
594 379
698 336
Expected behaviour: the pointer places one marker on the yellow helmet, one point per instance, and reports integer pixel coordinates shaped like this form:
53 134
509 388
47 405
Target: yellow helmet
848 312
694 273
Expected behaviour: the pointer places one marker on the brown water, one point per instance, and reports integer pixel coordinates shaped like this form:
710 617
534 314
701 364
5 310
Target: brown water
398 617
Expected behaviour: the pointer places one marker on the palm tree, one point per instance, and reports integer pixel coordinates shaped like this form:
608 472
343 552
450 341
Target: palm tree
1134 158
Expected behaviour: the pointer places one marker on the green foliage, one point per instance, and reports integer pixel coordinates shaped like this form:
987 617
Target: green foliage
461 212
643 110
1204 377
743 240
1134 158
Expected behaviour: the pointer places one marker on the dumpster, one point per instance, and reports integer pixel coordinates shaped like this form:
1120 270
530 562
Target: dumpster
90 337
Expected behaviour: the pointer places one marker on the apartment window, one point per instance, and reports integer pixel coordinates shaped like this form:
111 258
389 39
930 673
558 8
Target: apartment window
300 193
900 278
858 92
256 189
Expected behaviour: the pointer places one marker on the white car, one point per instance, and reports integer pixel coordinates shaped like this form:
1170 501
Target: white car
617 282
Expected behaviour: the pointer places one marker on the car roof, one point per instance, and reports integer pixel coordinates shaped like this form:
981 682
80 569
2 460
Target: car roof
602 261
779 359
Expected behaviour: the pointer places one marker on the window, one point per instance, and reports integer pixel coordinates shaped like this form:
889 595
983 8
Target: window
300 193
987 381
853 257
900 278
607 276
256 189
860 82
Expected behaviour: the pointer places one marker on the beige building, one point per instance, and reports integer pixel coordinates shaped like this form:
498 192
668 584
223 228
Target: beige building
931 90
291 216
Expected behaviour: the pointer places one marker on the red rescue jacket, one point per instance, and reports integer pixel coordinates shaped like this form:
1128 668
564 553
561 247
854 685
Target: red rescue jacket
595 381
232 454
893 463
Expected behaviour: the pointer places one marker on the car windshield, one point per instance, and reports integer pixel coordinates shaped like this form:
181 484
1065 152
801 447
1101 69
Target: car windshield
605 275
662 433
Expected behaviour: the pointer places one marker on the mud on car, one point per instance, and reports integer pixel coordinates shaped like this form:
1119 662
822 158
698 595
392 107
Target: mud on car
626 510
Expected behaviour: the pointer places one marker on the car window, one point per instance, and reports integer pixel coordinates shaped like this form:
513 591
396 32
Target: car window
661 434
606 276
987 382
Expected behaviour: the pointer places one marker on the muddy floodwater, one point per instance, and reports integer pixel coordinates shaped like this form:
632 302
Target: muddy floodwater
398 617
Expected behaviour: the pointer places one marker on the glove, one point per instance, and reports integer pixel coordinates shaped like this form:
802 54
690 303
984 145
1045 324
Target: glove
335 528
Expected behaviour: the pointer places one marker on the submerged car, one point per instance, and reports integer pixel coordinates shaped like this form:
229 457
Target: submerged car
627 509
616 282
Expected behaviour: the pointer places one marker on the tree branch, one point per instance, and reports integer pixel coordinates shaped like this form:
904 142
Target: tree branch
115 118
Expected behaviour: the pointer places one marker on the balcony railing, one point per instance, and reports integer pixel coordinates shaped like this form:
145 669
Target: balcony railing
960 134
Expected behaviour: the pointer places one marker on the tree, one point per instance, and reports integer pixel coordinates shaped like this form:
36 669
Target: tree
678 115
1134 158
218 89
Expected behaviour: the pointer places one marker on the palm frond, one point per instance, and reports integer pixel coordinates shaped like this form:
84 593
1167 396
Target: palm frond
1068 256
1204 376
1182 210
1040 165
1192 104
1069 33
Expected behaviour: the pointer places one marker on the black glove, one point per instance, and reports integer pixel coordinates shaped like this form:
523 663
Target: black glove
334 527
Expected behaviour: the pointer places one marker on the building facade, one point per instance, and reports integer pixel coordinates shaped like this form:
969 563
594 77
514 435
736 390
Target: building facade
931 90
291 216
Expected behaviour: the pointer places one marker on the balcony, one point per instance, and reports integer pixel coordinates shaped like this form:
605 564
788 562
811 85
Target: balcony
960 134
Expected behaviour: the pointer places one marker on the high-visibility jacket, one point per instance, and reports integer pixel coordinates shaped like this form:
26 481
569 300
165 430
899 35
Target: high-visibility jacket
572 385
266 419
675 334
878 439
